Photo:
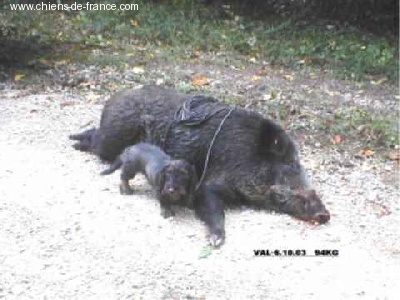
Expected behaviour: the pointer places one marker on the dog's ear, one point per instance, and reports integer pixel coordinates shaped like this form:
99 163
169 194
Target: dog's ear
194 179
160 180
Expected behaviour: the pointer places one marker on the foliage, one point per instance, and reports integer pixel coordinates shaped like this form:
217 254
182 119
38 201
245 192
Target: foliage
373 129
193 27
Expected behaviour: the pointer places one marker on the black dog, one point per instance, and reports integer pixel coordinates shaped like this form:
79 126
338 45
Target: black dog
173 180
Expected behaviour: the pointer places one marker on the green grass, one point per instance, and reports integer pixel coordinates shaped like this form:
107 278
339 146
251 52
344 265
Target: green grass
189 27
373 129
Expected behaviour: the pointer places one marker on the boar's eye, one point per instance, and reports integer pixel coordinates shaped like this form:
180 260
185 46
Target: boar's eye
303 201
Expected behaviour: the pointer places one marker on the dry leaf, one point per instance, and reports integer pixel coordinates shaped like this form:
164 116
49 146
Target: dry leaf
138 70
62 62
337 139
379 82
19 77
367 153
149 55
195 55
134 23
200 80
262 72
288 77
255 78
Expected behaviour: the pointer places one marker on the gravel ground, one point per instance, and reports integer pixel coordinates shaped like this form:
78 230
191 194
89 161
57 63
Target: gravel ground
66 233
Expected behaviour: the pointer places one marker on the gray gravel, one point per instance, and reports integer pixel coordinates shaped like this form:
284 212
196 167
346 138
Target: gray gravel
66 233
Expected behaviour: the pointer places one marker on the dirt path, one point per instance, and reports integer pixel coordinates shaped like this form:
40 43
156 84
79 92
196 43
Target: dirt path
66 233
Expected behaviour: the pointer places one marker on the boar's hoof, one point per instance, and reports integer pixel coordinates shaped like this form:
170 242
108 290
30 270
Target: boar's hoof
216 239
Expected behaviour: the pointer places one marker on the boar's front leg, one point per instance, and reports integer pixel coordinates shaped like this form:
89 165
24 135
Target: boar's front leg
209 206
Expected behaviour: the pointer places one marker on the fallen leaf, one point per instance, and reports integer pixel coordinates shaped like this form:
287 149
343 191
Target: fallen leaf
367 153
255 78
262 72
200 80
134 23
62 62
379 82
205 252
288 77
337 139
19 77
195 55
138 70
149 55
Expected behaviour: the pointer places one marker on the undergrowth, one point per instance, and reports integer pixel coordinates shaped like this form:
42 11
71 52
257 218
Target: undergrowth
189 26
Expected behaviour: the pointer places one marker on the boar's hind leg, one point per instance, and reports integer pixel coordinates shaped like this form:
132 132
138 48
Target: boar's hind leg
84 139
209 206
85 135
84 145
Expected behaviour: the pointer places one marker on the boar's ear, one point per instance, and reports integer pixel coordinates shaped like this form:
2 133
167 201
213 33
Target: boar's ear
272 139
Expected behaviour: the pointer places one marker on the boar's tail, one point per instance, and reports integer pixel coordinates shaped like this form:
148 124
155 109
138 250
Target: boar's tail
86 135
115 166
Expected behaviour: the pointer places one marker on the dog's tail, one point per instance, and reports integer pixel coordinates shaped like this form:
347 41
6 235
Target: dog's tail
114 166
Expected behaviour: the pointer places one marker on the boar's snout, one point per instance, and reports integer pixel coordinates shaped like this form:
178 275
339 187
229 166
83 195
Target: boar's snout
321 217
303 204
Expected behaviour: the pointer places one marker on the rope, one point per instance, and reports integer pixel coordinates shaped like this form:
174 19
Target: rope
211 144
187 115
